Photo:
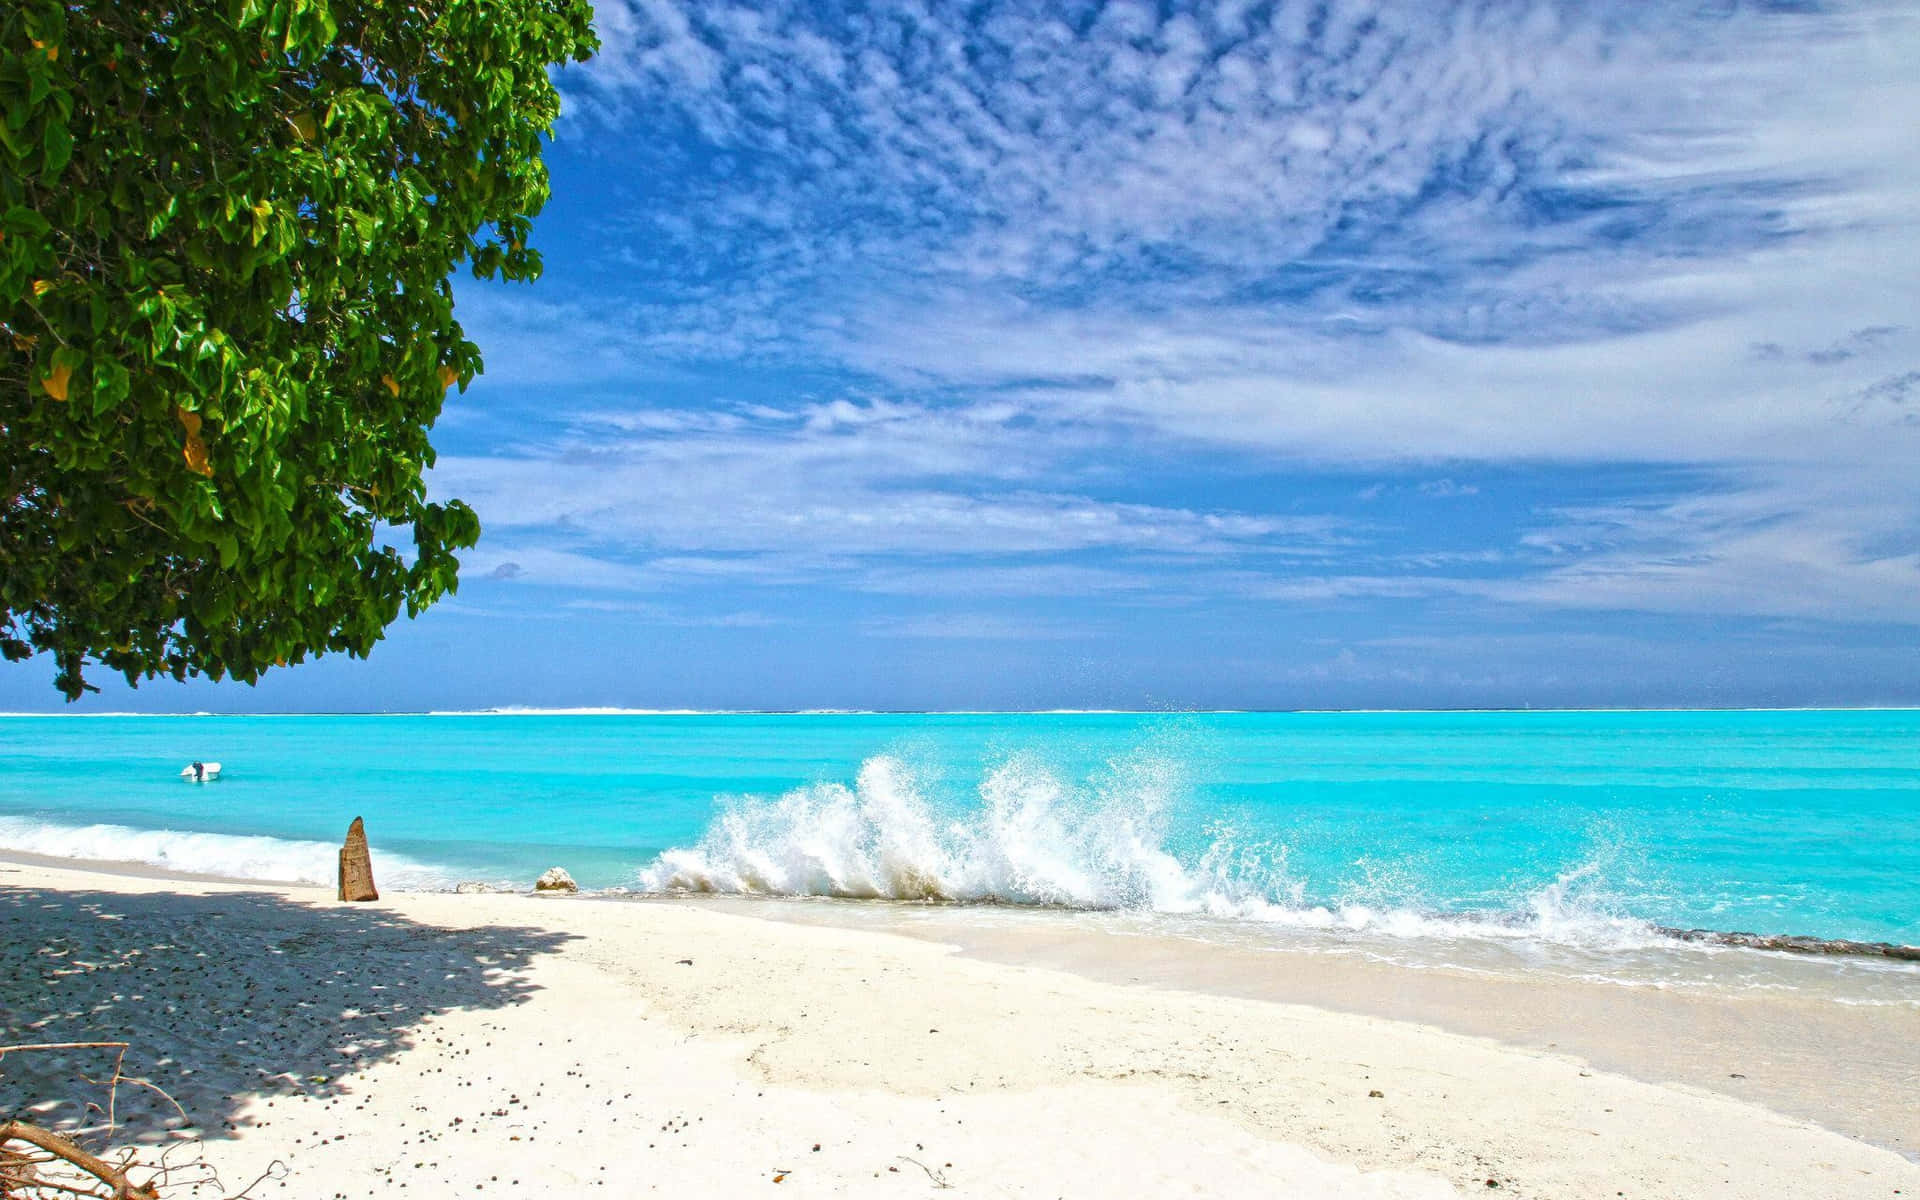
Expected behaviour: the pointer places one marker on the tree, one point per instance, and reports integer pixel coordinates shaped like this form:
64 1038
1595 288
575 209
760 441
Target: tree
227 230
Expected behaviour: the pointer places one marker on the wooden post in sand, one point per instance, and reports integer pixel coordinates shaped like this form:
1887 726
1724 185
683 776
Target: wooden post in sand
356 866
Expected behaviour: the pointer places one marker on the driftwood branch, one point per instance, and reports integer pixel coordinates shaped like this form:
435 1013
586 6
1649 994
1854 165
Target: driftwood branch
110 1176
112 1085
275 1170
20 1170
44 1185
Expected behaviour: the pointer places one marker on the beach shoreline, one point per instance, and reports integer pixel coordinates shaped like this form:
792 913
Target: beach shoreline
1044 1063
1653 1033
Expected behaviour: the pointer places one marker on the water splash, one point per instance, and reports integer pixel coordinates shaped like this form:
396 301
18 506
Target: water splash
1031 838
1032 842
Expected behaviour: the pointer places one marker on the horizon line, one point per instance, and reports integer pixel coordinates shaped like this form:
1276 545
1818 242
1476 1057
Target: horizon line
612 711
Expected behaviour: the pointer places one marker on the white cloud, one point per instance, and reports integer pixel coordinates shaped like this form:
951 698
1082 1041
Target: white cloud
1121 203
1810 546
660 614
1410 237
1752 547
969 626
770 494
527 561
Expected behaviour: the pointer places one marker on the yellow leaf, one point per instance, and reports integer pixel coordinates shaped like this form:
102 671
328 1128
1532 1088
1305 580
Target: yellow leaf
42 286
448 376
303 124
56 383
195 453
25 341
393 385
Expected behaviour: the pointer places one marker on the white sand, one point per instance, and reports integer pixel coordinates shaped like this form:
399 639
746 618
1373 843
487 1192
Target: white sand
433 1045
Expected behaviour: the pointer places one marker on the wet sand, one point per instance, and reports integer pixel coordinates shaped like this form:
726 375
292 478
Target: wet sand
1800 1044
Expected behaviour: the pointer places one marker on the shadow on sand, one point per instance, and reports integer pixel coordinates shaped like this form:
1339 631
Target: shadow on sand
226 997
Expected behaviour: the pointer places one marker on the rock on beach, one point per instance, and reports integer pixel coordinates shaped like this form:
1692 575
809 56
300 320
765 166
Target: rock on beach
555 879
356 866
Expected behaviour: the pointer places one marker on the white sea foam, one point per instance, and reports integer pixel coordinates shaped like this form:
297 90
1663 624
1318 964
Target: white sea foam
1036 840
224 855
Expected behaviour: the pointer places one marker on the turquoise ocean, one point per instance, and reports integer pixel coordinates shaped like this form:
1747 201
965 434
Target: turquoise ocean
1581 835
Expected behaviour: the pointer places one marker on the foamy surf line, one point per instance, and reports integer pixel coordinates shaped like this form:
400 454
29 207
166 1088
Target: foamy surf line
222 855
1037 842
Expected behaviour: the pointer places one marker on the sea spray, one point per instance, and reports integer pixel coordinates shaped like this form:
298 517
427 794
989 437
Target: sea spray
1031 838
1032 841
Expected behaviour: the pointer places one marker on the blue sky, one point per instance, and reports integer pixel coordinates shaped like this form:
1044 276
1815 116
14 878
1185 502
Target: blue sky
1239 355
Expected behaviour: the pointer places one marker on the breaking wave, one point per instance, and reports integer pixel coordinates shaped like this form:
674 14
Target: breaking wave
227 856
1108 844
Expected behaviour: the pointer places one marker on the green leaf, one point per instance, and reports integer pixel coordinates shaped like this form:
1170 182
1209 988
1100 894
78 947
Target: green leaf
210 297
22 221
58 145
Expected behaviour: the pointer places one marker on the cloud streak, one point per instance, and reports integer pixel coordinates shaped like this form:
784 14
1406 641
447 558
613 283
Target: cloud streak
824 490
1225 309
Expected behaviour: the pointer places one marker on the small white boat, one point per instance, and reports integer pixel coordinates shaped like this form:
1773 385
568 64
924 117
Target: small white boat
200 772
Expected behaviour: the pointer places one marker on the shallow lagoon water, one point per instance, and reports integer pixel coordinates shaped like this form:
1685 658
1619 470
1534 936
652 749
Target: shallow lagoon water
1475 840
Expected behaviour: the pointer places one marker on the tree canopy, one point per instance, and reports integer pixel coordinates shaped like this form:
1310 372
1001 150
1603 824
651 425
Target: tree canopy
227 231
